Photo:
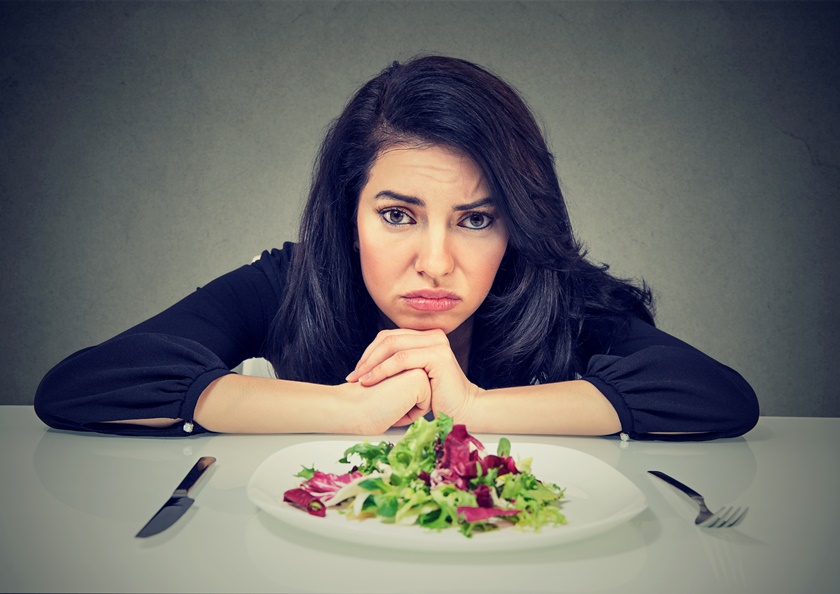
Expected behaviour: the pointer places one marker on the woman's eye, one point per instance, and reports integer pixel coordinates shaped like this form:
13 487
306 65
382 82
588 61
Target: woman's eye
477 220
395 217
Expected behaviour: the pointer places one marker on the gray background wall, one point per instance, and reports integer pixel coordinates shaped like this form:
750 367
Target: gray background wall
150 147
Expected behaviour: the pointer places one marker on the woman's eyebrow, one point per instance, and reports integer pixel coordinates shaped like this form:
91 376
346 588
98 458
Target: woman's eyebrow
488 201
401 197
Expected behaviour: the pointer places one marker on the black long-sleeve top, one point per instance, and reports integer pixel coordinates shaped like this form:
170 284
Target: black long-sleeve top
160 367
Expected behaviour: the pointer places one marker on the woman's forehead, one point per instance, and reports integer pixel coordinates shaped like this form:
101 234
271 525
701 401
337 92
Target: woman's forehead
414 169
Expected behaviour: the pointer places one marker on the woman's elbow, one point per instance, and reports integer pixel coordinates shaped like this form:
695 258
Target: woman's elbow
738 407
50 402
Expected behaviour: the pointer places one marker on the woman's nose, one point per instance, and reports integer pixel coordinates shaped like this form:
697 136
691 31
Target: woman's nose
434 255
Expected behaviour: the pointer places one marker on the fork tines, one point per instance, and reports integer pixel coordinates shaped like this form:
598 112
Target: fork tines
726 518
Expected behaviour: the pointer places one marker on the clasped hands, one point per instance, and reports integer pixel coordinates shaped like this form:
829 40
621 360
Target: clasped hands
404 374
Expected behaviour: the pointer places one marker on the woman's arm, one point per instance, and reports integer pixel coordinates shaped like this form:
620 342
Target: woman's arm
638 380
243 404
171 375
663 388
130 377
571 408
564 408
150 377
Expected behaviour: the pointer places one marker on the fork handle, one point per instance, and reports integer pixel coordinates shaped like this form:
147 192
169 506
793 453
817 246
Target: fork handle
675 483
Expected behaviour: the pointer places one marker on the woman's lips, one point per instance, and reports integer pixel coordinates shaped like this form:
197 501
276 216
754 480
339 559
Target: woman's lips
431 300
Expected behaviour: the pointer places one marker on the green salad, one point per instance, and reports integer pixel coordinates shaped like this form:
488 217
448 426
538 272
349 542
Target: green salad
437 476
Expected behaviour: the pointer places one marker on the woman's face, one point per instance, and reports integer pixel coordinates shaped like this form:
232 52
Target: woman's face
430 237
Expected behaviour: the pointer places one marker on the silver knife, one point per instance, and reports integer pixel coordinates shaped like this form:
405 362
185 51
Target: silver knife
180 501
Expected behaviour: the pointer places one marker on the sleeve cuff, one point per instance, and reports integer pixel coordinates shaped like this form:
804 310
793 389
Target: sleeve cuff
625 416
191 398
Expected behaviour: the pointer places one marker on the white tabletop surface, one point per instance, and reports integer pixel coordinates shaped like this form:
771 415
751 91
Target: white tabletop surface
72 503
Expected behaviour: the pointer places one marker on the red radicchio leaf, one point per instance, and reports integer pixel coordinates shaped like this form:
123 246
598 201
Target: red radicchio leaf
303 500
505 465
467 470
456 448
483 496
459 464
322 484
477 514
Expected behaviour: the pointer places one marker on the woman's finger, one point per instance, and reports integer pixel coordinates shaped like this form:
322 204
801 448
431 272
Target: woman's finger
380 338
418 411
425 358
389 343
398 362
395 402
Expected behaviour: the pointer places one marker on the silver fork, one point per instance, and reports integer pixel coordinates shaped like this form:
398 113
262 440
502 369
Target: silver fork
726 517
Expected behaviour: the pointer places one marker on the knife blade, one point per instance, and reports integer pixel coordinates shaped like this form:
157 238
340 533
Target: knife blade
179 502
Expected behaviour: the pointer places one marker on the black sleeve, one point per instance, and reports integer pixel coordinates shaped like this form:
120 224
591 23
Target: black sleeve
160 367
659 384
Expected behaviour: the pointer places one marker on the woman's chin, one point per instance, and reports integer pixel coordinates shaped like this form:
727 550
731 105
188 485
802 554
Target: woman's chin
448 324
427 323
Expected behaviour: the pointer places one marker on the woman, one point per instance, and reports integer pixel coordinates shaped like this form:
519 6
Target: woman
436 271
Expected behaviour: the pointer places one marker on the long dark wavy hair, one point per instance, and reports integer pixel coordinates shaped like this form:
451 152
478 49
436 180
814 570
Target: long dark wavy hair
530 326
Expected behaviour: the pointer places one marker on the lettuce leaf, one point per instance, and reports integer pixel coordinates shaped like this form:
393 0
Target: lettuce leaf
415 452
373 456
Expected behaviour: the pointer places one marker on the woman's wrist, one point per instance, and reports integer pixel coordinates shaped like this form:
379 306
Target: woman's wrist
468 411
347 406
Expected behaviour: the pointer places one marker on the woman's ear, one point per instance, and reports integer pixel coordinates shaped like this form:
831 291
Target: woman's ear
355 238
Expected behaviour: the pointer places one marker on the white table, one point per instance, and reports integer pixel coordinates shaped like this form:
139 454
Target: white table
71 504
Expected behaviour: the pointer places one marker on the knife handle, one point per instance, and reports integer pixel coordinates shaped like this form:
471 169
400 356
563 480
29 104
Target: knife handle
193 476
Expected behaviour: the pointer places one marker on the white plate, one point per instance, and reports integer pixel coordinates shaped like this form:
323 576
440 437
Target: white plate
598 498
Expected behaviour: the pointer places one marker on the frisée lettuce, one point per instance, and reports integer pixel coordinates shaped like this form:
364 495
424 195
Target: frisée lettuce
437 476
